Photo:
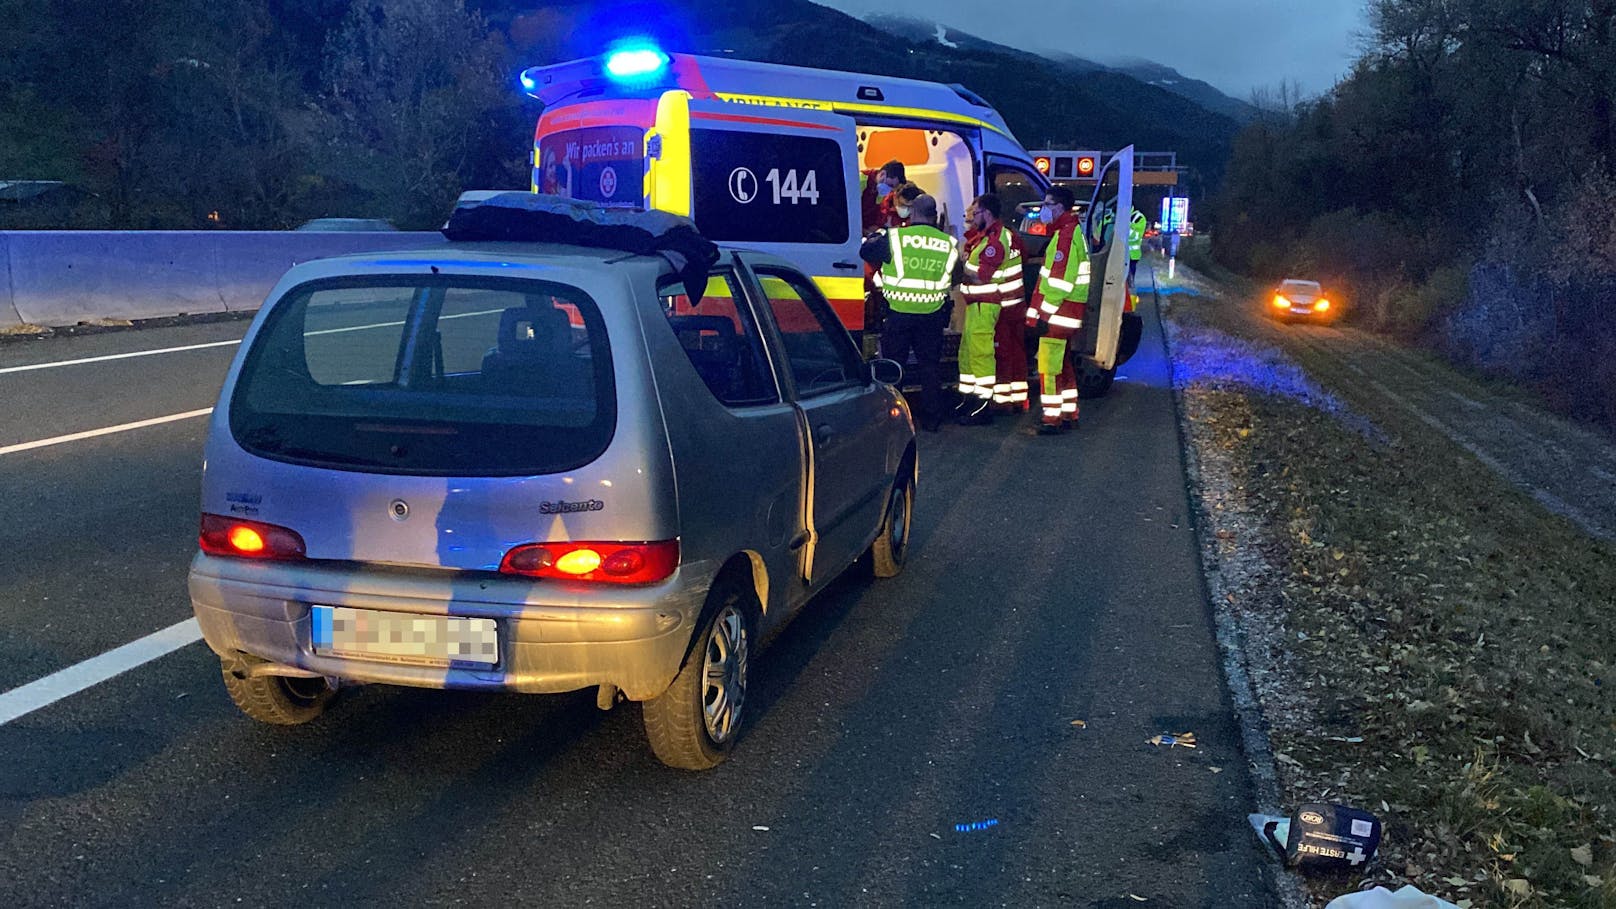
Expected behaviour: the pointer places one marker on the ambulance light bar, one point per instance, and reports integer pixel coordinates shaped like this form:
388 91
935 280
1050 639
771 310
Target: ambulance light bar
638 62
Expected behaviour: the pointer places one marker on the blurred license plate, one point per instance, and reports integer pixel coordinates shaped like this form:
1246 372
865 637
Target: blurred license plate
401 637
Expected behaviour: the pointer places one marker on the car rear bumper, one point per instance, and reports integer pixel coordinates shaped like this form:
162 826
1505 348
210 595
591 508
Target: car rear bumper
552 638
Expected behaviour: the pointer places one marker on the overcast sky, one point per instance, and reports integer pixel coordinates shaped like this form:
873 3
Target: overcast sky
1236 45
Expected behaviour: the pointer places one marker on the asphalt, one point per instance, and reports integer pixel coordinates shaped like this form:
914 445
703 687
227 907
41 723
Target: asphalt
1052 580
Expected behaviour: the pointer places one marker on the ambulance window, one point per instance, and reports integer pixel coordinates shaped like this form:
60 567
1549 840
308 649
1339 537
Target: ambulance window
721 340
1014 186
768 188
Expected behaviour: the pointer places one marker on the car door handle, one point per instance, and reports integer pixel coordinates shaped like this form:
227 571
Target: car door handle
845 266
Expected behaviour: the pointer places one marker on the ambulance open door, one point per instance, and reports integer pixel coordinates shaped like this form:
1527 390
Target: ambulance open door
1108 290
778 180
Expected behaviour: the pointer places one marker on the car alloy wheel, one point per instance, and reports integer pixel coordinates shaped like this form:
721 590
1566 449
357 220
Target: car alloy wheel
724 675
898 520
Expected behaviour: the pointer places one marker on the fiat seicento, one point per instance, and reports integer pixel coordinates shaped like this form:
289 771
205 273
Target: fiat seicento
534 467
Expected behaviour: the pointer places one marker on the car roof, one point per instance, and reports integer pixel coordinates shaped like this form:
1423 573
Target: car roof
493 256
1299 281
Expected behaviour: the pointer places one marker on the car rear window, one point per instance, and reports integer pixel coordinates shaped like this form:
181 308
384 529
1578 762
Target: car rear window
450 376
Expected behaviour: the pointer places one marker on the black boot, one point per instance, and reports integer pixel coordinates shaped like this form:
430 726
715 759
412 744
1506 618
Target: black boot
980 414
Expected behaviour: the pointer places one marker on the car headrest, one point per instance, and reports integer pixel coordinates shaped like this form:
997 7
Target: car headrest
526 325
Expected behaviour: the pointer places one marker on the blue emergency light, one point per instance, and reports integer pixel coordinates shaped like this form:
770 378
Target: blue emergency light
637 62
528 84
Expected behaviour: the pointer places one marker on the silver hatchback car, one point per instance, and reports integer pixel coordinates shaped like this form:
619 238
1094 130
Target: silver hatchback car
541 468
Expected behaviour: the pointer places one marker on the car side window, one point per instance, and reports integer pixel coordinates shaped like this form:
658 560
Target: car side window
721 339
818 349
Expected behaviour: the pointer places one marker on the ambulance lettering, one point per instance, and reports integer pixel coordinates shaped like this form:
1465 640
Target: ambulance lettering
788 187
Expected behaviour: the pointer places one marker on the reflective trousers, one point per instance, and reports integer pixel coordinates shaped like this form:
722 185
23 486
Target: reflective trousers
1010 357
1057 380
976 361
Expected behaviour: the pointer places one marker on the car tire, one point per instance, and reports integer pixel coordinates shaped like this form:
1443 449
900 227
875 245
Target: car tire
688 726
279 700
891 547
1094 383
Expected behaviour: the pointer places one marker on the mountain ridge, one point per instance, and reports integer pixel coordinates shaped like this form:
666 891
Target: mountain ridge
1148 72
1039 98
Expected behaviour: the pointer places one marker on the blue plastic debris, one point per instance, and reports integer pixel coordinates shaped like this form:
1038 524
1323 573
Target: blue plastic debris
975 826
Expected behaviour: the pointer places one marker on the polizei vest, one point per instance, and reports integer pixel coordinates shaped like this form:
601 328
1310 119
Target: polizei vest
917 276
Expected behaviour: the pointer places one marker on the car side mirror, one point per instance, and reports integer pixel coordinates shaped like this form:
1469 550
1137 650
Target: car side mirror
887 372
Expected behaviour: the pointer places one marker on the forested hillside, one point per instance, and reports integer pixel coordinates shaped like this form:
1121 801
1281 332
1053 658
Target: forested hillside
1459 186
263 113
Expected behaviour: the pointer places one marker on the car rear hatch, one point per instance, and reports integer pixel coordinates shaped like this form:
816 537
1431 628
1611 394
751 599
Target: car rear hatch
439 419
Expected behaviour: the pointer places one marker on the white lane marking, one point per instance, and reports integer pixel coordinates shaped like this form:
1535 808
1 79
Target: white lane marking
120 356
168 350
189 414
19 702
107 431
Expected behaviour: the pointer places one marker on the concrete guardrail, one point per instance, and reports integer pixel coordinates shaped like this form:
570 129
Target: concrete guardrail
55 278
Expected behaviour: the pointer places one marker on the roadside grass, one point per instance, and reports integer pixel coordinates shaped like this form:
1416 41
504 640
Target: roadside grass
1197 254
1465 633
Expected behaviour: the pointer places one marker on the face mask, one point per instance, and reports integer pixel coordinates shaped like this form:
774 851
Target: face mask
903 211
1047 214
882 190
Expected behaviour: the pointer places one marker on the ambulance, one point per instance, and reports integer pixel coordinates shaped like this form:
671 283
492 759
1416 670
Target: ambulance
772 157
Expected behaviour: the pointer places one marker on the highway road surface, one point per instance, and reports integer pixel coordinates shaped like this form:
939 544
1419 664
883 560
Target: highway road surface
909 743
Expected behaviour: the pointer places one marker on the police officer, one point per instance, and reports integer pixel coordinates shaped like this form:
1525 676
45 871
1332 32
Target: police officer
1062 294
918 265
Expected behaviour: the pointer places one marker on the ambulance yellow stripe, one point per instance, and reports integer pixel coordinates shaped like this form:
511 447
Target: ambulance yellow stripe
840 107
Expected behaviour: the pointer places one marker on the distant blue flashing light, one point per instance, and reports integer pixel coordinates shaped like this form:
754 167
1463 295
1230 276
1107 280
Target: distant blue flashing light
527 83
635 63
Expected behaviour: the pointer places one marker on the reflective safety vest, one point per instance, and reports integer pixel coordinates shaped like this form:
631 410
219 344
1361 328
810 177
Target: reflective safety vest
993 270
1065 278
1136 235
917 276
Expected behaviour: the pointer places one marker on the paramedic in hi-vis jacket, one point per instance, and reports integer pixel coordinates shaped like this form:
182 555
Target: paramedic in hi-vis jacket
1063 291
992 360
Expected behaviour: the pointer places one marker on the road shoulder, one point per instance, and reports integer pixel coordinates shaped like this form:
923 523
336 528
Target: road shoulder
1421 637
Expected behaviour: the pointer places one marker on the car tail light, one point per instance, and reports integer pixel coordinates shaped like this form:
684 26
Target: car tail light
1280 302
1322 305
611 563
225 536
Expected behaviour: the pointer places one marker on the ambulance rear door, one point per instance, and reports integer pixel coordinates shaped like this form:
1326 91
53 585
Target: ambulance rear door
782 181
1108 236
